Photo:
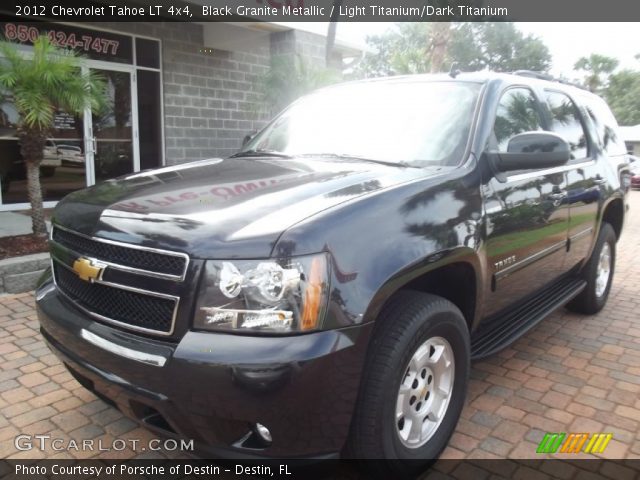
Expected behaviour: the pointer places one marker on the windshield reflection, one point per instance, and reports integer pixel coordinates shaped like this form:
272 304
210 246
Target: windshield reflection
417 122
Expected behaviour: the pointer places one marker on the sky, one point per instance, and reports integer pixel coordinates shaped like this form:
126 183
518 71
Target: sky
566 41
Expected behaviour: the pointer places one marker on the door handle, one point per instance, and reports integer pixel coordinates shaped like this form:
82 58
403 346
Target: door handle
599 180
91 145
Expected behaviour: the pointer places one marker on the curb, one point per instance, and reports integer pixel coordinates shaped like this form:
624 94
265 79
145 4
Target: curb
20 274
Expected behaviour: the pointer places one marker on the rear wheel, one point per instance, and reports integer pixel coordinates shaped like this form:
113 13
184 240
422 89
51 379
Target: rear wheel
598 273
414 384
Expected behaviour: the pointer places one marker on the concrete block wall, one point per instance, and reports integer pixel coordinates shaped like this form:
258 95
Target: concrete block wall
309 46
209 97
20 274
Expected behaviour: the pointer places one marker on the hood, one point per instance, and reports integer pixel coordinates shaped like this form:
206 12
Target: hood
233 208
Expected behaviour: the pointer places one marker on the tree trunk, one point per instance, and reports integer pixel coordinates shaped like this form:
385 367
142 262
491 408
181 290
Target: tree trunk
32 144
35 198
440 38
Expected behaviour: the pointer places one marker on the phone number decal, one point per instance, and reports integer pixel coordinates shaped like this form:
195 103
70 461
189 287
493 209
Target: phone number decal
86 42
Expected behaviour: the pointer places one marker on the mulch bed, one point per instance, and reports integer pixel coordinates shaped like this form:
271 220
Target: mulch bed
22 245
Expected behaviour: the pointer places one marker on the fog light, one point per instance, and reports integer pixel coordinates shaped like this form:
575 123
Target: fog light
264 433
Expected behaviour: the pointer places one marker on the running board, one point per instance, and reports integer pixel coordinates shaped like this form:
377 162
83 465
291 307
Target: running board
499 332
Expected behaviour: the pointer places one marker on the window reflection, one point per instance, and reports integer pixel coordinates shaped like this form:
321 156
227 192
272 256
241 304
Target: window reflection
421 122
517 113
565 121
62 170
606 125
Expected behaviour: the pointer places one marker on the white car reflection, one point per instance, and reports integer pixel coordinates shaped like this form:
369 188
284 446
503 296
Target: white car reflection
70 153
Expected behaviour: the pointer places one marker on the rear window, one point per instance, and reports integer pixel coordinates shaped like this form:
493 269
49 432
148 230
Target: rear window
605 124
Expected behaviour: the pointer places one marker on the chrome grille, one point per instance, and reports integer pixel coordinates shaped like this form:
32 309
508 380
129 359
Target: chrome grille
163 263
131 309
119 294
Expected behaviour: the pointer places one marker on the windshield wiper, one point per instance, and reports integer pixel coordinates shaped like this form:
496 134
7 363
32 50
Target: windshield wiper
260 153
349 156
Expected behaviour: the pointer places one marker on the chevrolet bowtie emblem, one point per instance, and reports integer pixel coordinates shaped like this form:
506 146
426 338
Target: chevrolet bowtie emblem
88 270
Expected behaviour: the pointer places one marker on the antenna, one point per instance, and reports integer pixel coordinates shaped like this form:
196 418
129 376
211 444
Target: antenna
454 71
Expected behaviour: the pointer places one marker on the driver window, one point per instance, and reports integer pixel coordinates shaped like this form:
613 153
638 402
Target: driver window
517 113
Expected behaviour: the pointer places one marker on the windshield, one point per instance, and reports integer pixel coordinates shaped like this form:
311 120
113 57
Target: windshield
418 123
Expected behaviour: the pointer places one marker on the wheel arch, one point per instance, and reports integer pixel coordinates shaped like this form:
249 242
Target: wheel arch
455 275
613 214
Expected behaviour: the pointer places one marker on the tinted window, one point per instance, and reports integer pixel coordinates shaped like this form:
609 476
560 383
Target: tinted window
517 113
606 126
565 121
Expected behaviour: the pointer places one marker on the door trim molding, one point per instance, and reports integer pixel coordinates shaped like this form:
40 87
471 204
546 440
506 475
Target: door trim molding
550 171
529 260
581 233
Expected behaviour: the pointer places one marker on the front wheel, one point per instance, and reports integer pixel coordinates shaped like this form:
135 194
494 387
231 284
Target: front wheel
414 385
598 273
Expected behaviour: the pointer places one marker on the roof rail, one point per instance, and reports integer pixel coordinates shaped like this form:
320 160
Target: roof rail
534 74
546 76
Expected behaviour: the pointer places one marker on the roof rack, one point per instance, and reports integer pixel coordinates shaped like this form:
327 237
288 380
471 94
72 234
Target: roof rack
546 76
534 74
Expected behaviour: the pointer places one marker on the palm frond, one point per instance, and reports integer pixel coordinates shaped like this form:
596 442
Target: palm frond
50 80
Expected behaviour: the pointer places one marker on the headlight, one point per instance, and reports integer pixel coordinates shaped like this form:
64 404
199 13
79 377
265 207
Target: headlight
266 296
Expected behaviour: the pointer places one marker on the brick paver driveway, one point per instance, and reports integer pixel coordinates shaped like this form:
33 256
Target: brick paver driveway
569 374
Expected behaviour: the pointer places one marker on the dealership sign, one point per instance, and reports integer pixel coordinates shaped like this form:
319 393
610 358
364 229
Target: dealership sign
95 44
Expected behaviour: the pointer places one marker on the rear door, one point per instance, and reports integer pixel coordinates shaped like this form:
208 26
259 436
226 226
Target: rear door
584 179
527 216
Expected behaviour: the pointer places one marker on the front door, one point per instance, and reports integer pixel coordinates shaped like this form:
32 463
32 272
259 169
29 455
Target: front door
109 135
527 214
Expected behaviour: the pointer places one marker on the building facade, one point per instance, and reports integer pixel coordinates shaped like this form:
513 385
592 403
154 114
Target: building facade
631 137
177 92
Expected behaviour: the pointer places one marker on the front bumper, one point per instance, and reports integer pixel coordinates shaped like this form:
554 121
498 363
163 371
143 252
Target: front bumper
213 387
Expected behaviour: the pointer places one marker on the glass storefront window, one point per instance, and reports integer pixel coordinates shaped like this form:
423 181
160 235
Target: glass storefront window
85 150
147 53
149 119
63 164
112 129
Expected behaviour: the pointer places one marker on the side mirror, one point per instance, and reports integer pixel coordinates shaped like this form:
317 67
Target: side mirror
532 150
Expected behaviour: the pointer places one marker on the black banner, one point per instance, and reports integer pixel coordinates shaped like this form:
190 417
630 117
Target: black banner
325 10
544 468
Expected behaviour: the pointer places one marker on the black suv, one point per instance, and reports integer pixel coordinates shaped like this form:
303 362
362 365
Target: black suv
323 291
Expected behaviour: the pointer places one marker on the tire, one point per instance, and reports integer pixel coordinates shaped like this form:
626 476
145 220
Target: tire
406 324
594 297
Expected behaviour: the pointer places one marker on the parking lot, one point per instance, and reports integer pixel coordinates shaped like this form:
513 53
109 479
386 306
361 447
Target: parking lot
569 374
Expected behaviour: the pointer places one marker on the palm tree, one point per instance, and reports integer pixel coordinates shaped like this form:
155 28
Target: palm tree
40 86
288 78
440 40
596 67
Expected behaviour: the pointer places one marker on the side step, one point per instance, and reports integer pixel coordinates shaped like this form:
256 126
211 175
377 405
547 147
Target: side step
496 333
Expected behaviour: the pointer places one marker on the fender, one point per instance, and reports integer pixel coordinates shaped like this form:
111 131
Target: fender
431 263
616 196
